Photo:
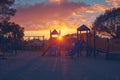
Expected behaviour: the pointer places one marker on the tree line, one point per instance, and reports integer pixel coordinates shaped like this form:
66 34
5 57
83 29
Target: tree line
109 23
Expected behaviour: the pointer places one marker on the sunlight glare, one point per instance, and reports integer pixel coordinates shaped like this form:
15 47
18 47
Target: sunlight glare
58 25
60 38
56 1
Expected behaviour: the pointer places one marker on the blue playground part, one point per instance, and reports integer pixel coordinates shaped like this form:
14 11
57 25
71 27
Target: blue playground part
76 49
53 50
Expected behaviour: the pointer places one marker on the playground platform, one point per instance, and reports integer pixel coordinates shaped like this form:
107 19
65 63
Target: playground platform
30 65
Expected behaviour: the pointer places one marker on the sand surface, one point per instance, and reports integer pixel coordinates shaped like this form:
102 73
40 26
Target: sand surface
29 65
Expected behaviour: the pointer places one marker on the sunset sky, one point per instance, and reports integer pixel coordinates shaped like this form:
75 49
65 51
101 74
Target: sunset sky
38 17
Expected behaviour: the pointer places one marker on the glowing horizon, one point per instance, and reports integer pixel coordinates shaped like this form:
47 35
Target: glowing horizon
46 33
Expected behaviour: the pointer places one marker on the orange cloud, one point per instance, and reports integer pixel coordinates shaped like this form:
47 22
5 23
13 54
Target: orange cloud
57 1
115 3
76 14
41 16
87 15
95 8
62 15
66 15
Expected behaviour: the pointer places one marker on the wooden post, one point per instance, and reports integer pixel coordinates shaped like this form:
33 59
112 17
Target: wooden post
94 43
43 40
50 34
87 43
108 47
80 36
77 34
77 40
59 32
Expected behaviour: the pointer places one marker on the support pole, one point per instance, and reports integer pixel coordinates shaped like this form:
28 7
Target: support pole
77 35
108 47
87 43
94 43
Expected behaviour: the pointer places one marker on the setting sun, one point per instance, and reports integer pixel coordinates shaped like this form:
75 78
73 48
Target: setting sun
55 24
60 38
56 1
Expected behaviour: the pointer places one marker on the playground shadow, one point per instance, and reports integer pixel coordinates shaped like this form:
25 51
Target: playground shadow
29 65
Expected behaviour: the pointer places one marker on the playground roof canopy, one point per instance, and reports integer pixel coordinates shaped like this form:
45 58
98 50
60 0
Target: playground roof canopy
54 32
83 28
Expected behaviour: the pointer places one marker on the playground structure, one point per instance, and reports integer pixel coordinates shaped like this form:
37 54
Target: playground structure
85 41
92 44
81 42
34 37
76 49
98 46
34 42
53 45
84 28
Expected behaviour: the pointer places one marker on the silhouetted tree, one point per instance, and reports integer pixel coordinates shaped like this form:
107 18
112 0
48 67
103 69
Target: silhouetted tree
10 30
109 22
6 10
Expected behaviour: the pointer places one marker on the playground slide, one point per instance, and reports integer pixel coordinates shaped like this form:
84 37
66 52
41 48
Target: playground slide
77 47
45 51
53 49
